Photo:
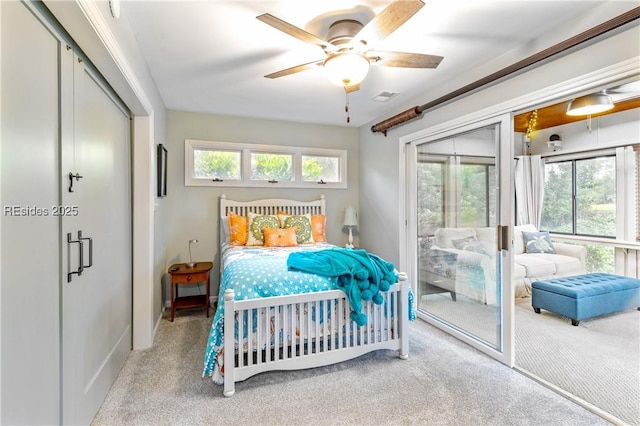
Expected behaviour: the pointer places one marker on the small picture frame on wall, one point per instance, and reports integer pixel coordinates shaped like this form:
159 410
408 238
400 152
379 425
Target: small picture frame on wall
162 171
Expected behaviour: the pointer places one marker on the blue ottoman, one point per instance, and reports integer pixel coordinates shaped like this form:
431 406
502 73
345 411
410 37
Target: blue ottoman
585 296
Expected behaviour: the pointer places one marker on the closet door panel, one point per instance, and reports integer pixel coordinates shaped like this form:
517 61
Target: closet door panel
31 245
97 304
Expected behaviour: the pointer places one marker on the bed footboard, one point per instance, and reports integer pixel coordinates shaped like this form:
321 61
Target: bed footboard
308 330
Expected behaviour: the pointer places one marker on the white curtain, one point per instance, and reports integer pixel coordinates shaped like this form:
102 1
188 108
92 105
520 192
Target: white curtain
453 192
529 174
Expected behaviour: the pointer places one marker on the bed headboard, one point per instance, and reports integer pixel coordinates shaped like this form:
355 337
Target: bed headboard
271 206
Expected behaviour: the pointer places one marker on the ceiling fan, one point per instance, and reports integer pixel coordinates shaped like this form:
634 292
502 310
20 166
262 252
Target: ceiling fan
349 48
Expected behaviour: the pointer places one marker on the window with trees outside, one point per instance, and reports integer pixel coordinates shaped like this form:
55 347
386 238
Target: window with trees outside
455 187
209 163
582 199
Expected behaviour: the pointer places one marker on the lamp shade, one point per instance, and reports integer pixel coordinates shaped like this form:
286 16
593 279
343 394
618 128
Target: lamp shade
346 69
593 103
350 217
191 264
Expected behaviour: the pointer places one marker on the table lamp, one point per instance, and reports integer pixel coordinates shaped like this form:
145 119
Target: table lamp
350 221
191 264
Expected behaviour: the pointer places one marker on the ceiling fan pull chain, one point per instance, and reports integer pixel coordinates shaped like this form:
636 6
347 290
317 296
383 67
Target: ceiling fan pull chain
346 107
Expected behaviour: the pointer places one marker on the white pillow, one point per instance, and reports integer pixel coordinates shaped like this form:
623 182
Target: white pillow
224 224
444 236
487 236
518 238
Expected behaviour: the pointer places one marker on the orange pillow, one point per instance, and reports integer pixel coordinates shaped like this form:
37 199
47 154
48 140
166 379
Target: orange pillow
278 237
238 229
318 225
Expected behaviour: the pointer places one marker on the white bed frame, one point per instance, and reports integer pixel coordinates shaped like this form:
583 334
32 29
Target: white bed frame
315 345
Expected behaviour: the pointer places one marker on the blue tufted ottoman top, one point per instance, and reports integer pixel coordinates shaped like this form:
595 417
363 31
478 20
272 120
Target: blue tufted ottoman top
588 285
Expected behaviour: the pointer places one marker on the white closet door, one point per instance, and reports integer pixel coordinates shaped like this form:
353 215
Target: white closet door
30 325
97 307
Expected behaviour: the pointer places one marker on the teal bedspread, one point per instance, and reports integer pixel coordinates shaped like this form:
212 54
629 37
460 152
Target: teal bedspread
257 272
361 275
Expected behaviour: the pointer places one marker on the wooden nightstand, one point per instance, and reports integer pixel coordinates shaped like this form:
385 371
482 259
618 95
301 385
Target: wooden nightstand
182 274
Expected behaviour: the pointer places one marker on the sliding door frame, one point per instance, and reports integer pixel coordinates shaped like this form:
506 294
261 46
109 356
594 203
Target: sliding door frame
504 166
621 72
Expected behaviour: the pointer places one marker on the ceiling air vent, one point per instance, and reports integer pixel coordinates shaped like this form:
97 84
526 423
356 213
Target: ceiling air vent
384 96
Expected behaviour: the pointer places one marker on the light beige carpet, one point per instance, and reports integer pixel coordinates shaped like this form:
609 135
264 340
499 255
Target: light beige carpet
597 361
444 382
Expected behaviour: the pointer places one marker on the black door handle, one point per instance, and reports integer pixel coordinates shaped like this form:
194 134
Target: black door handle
71 177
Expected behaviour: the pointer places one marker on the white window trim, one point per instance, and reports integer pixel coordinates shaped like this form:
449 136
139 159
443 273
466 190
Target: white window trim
190 145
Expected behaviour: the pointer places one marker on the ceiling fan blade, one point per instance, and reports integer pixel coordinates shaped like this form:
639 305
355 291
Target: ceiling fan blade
404 60
389 20
296 69
352 88
294 31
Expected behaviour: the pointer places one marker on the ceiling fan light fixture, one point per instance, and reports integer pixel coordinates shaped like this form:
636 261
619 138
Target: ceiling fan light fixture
346 68
593 103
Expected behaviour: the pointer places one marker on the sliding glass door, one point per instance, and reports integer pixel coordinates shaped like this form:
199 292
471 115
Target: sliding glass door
456 215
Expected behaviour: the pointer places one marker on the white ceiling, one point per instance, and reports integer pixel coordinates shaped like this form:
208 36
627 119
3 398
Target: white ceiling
211 56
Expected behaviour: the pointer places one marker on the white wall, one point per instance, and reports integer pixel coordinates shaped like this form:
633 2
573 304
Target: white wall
613 130
379 191
192 212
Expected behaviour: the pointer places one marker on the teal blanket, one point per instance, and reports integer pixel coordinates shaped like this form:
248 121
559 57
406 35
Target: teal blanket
361 275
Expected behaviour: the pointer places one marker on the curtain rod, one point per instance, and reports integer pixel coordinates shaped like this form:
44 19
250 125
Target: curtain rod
587 35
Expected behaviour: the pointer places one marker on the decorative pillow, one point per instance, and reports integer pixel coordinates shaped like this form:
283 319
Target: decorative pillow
257 223
461 242
318 227
444 236
302 225
280 237
238 229
475 247
538 242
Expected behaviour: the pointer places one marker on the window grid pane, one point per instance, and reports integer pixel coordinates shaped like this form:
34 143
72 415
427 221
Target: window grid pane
430 197
557 209
209 164
271 167
475 186
596 196
320 168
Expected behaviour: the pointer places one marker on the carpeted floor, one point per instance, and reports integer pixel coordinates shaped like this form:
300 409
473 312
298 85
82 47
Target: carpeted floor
444 382
598 361
476 318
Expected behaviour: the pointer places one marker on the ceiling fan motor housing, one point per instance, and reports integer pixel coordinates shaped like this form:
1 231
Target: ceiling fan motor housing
342 32
349 45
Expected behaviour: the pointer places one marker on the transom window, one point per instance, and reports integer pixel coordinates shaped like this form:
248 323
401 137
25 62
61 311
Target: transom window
209 163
